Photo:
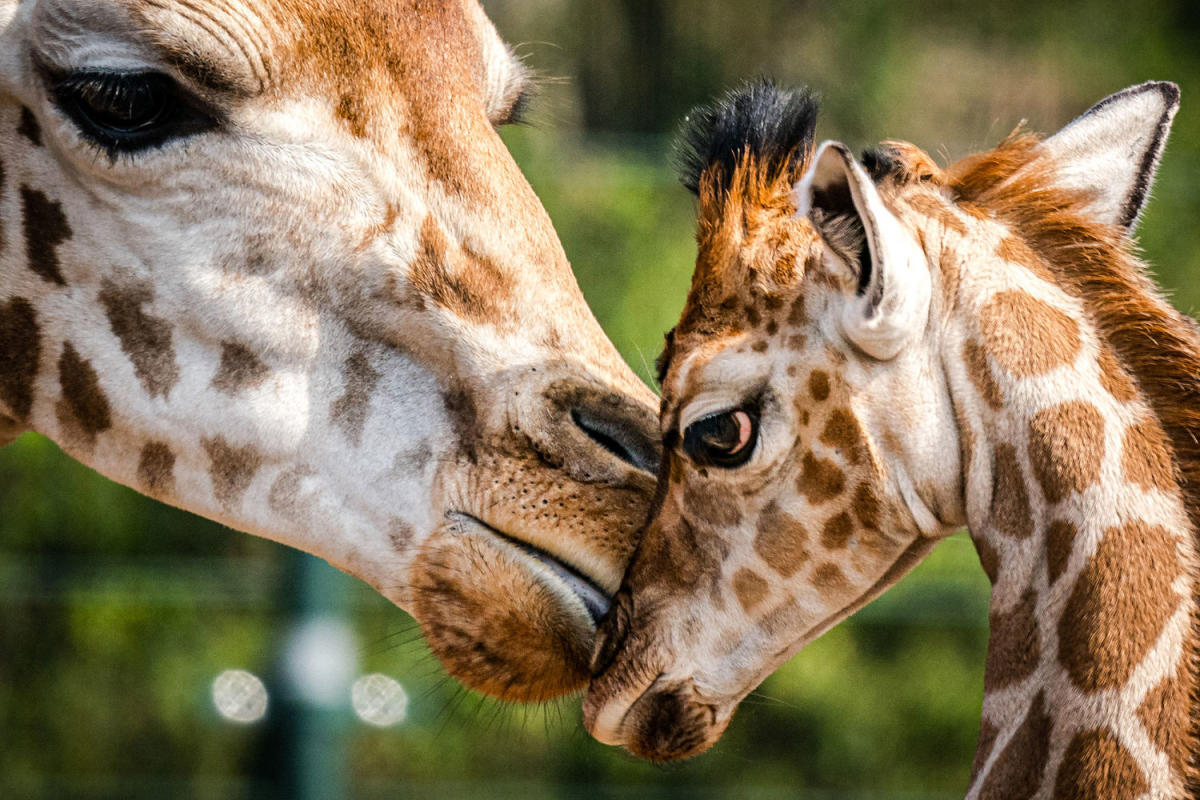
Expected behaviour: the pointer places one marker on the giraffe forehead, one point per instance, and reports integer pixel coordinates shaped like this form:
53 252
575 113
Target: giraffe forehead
248 47
722 346
407 40
750 258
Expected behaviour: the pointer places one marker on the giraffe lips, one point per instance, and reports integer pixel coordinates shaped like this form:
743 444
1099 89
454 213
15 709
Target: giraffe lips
594 599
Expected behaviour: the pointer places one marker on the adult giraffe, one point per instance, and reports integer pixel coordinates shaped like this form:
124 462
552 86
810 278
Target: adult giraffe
875 355
269 261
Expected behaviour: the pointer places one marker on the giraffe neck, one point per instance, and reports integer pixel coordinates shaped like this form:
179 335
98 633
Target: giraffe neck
1080 524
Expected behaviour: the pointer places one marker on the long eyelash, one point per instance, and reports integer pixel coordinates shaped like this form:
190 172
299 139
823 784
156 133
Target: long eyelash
518 112
157 108
533 82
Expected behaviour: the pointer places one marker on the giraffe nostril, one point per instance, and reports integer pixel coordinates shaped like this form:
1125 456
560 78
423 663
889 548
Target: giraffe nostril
623 437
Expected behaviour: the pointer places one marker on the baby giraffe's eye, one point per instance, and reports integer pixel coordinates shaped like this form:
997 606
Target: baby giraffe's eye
725 440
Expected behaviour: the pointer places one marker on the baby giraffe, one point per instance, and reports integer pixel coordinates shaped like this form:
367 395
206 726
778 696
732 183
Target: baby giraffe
874 354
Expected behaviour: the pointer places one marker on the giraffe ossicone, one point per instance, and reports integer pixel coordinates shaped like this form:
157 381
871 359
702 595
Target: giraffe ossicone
919 350
272 263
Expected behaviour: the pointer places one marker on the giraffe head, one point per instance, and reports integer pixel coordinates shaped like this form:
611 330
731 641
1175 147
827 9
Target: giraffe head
812 412
270 261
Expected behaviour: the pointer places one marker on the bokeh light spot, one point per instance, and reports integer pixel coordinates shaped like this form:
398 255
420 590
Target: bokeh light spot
239 696
379 700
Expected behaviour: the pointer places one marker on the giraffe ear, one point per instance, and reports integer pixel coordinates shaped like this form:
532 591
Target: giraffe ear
890 304
1111 152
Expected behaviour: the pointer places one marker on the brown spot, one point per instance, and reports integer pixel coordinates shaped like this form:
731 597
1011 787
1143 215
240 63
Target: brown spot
843 432
349 412
1015 250
949 261
989 559
1060 541
818 385
753 318
1010 502
1026 336
240 369
820 479
467 285
987 740
966 437
797 316
1017 771
837 531
1164 715
464 416
782 620
1098 767
797 341
759 347
29 127
284 496
772 327
1013 644
46 228
750 589
829 579
400 534
1119 605
1066 446
231 469
780 541
156 469
83 407
673 556
1114 378
20 354
352 111
712 504
980 373
1146 456
144 338
866 506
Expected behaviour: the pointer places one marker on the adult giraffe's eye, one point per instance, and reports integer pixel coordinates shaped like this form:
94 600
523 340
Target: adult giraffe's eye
725 440
124 112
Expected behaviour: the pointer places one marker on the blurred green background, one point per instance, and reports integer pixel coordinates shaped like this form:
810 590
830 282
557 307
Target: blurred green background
118 614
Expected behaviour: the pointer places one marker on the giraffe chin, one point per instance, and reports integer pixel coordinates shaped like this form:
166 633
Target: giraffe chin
504 618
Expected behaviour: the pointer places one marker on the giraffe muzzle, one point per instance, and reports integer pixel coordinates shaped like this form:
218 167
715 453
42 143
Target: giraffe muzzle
665 721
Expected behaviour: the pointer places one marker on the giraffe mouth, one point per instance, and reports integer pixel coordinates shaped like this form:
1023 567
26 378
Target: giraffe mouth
594 599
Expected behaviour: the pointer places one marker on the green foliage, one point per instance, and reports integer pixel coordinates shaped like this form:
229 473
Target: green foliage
117 612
